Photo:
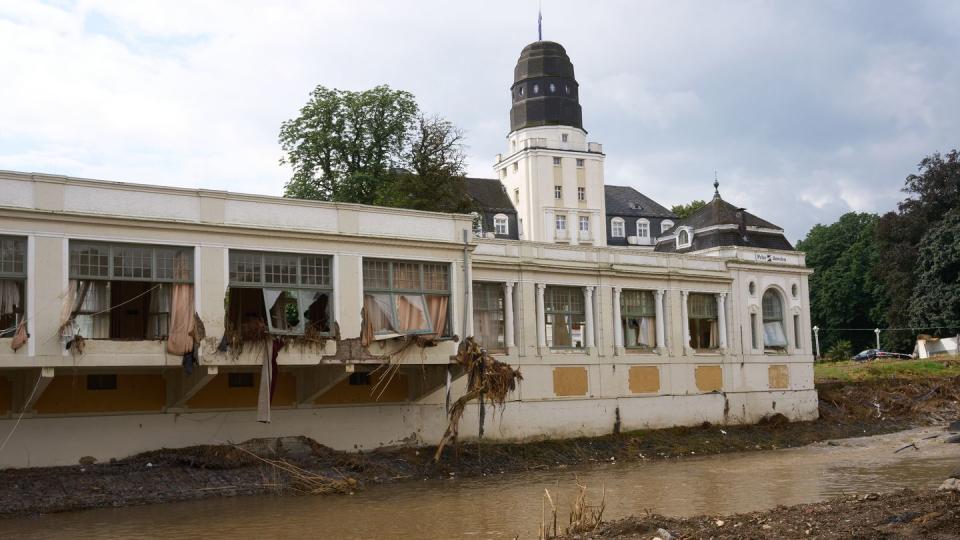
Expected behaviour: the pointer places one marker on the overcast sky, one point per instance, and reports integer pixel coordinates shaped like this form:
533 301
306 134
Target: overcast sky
806 109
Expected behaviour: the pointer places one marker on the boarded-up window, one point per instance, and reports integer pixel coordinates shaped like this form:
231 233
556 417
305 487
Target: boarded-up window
570 381
708 378
779 376
644 379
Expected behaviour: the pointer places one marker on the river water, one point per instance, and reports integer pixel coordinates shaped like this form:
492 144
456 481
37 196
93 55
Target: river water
507 505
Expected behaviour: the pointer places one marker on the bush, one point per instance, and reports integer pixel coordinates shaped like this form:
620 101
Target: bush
840 351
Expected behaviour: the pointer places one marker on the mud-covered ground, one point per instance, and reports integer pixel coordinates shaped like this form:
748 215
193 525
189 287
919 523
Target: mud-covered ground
902 514
846 410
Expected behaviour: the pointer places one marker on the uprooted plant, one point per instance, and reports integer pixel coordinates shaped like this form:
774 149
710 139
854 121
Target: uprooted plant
487 379
584 517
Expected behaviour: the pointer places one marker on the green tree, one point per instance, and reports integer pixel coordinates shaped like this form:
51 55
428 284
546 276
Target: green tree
843 290
932 193
436 180
343 144
685 210
936 295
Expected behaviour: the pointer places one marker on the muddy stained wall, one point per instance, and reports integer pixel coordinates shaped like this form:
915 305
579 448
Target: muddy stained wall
219 394
70 394
6 395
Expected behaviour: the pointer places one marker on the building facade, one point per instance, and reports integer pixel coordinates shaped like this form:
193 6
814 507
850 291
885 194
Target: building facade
138 317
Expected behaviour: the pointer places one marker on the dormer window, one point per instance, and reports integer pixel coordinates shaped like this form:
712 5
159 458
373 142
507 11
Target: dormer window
665 225
684 238
643 229
616 227
501 226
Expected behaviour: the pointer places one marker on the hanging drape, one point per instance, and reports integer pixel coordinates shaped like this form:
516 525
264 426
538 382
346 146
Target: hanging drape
93 300
182 321
9 296
411 314
437 307
266 382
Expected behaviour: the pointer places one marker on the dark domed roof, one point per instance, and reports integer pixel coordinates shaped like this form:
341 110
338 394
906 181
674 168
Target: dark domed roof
544 91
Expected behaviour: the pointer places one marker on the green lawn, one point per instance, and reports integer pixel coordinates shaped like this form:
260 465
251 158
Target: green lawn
886 369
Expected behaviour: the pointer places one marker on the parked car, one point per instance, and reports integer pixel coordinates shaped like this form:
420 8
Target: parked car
872 354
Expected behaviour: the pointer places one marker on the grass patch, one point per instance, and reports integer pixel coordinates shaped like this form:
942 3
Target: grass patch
850 371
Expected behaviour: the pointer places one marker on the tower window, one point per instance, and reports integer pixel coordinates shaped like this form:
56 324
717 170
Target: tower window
564 137
536 88
516 196
557 192
521 90
556 161
580 163
553 88
566 88
581 193
516 167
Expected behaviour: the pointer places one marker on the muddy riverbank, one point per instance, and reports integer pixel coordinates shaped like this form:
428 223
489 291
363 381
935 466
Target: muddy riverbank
902 514
846 410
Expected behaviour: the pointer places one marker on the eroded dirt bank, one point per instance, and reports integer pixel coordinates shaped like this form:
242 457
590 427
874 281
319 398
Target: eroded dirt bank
903 514
846 410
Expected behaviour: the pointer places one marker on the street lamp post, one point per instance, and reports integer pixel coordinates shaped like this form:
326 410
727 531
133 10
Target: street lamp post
877 332
816 339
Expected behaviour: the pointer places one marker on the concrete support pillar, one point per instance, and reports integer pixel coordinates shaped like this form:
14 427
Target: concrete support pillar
684 314
573 227
722 320
617 324
541 317
588 315
661 323
508 315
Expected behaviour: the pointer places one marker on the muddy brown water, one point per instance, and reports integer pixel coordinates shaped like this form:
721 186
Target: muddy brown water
509 505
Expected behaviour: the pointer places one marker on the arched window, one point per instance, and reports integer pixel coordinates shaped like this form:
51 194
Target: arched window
683 238
643 229
616 227
774 338
501 225
665 225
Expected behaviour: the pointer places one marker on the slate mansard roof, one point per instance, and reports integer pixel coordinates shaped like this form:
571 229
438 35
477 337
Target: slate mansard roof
626 201
720 223
491 199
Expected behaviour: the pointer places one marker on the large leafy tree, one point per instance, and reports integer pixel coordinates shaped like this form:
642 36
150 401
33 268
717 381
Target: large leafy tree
436 178
935 302
843 290
932 193
344 144
684 210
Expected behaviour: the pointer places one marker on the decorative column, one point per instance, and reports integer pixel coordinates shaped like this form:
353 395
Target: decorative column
617 324
661 324
684 314
588 315
508 315
573 227
541 317
722 319
468 301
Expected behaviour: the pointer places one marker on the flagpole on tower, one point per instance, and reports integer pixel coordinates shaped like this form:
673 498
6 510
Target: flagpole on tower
540 20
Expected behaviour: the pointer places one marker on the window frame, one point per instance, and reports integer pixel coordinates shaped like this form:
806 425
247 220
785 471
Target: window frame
570 313
628 314
423 292
560 222
773 293
645 223
615 224
691 318
501 219
17 273
483 293
111 275
297 286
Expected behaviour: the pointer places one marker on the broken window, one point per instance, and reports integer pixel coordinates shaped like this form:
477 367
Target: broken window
401 297
13 279
638 317
488 315
702 316
774 337
125 291
280 293
564 316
